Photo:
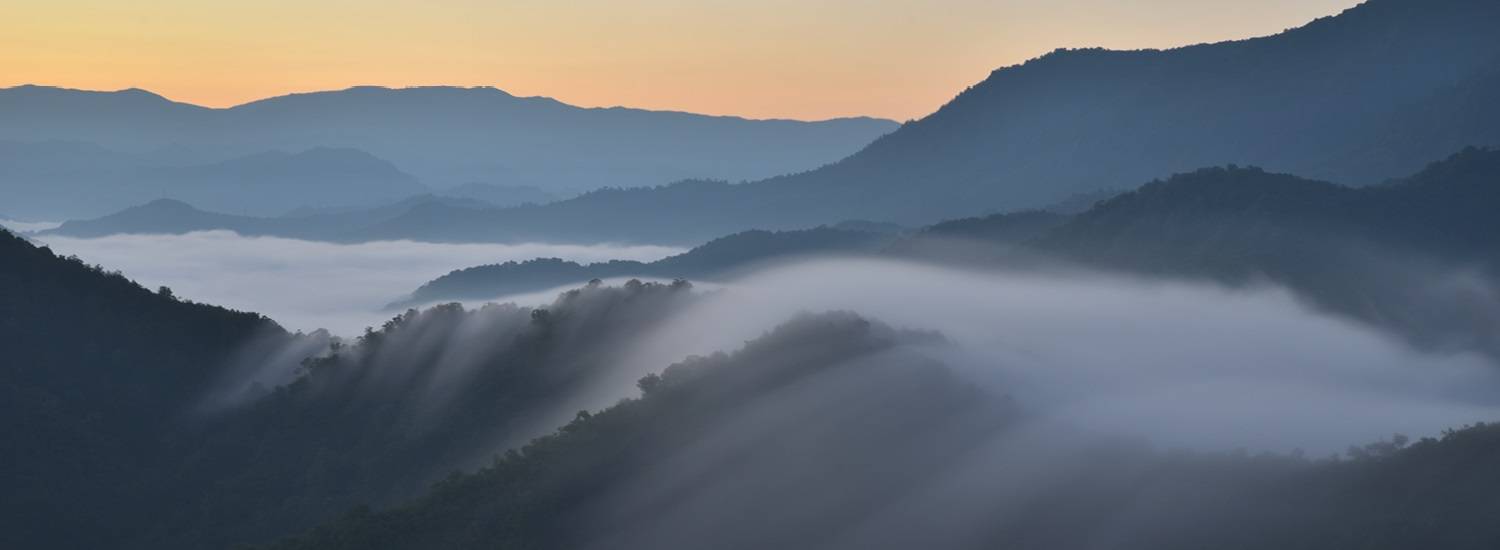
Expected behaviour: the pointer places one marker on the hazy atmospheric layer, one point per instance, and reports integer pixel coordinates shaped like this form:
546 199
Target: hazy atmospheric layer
27 226
307 285
871 444
1186 365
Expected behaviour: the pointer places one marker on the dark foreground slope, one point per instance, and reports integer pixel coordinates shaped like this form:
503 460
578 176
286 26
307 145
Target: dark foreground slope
835 432
380 419
134 420
96 374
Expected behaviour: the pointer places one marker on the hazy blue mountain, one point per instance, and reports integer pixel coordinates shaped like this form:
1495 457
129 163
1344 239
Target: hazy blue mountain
276 182
1315 100
161 216
501 195
173 217
1358 98
716 259
61 180
447 136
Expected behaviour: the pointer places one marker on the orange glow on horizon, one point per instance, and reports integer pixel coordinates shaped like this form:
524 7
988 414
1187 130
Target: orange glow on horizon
763 59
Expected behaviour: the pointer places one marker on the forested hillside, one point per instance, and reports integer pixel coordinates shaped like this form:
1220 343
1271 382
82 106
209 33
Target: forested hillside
824 433
97 374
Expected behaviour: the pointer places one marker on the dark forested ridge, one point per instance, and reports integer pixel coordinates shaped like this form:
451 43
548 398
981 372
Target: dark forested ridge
713 260
97 372
1414 255
1357 98
1445 210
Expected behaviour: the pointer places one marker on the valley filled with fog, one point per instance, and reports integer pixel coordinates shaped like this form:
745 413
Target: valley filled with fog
306 285
1184 364
1232 294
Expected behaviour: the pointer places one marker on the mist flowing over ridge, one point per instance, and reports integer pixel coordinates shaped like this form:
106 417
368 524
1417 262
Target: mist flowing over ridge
1237 295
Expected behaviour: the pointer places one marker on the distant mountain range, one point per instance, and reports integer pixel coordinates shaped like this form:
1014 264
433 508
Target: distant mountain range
169 216
1358 98
1368 95
59 180
443 136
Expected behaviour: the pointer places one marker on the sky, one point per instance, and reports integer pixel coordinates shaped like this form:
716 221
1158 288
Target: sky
802 59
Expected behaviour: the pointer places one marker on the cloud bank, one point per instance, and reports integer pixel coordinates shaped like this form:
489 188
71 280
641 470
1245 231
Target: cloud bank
306 285
1186 365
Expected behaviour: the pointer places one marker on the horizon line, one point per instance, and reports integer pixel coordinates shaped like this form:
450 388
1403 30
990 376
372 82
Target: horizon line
382 87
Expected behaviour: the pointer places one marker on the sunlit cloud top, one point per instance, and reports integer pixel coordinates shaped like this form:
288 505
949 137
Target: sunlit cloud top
764 58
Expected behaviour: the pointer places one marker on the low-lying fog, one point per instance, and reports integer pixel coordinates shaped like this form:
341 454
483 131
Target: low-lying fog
306 285
1186 365
1183 364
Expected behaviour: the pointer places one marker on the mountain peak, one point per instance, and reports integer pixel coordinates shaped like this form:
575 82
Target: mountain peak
45 91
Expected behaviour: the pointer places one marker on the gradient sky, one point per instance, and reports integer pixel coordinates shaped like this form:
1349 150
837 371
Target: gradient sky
805 59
